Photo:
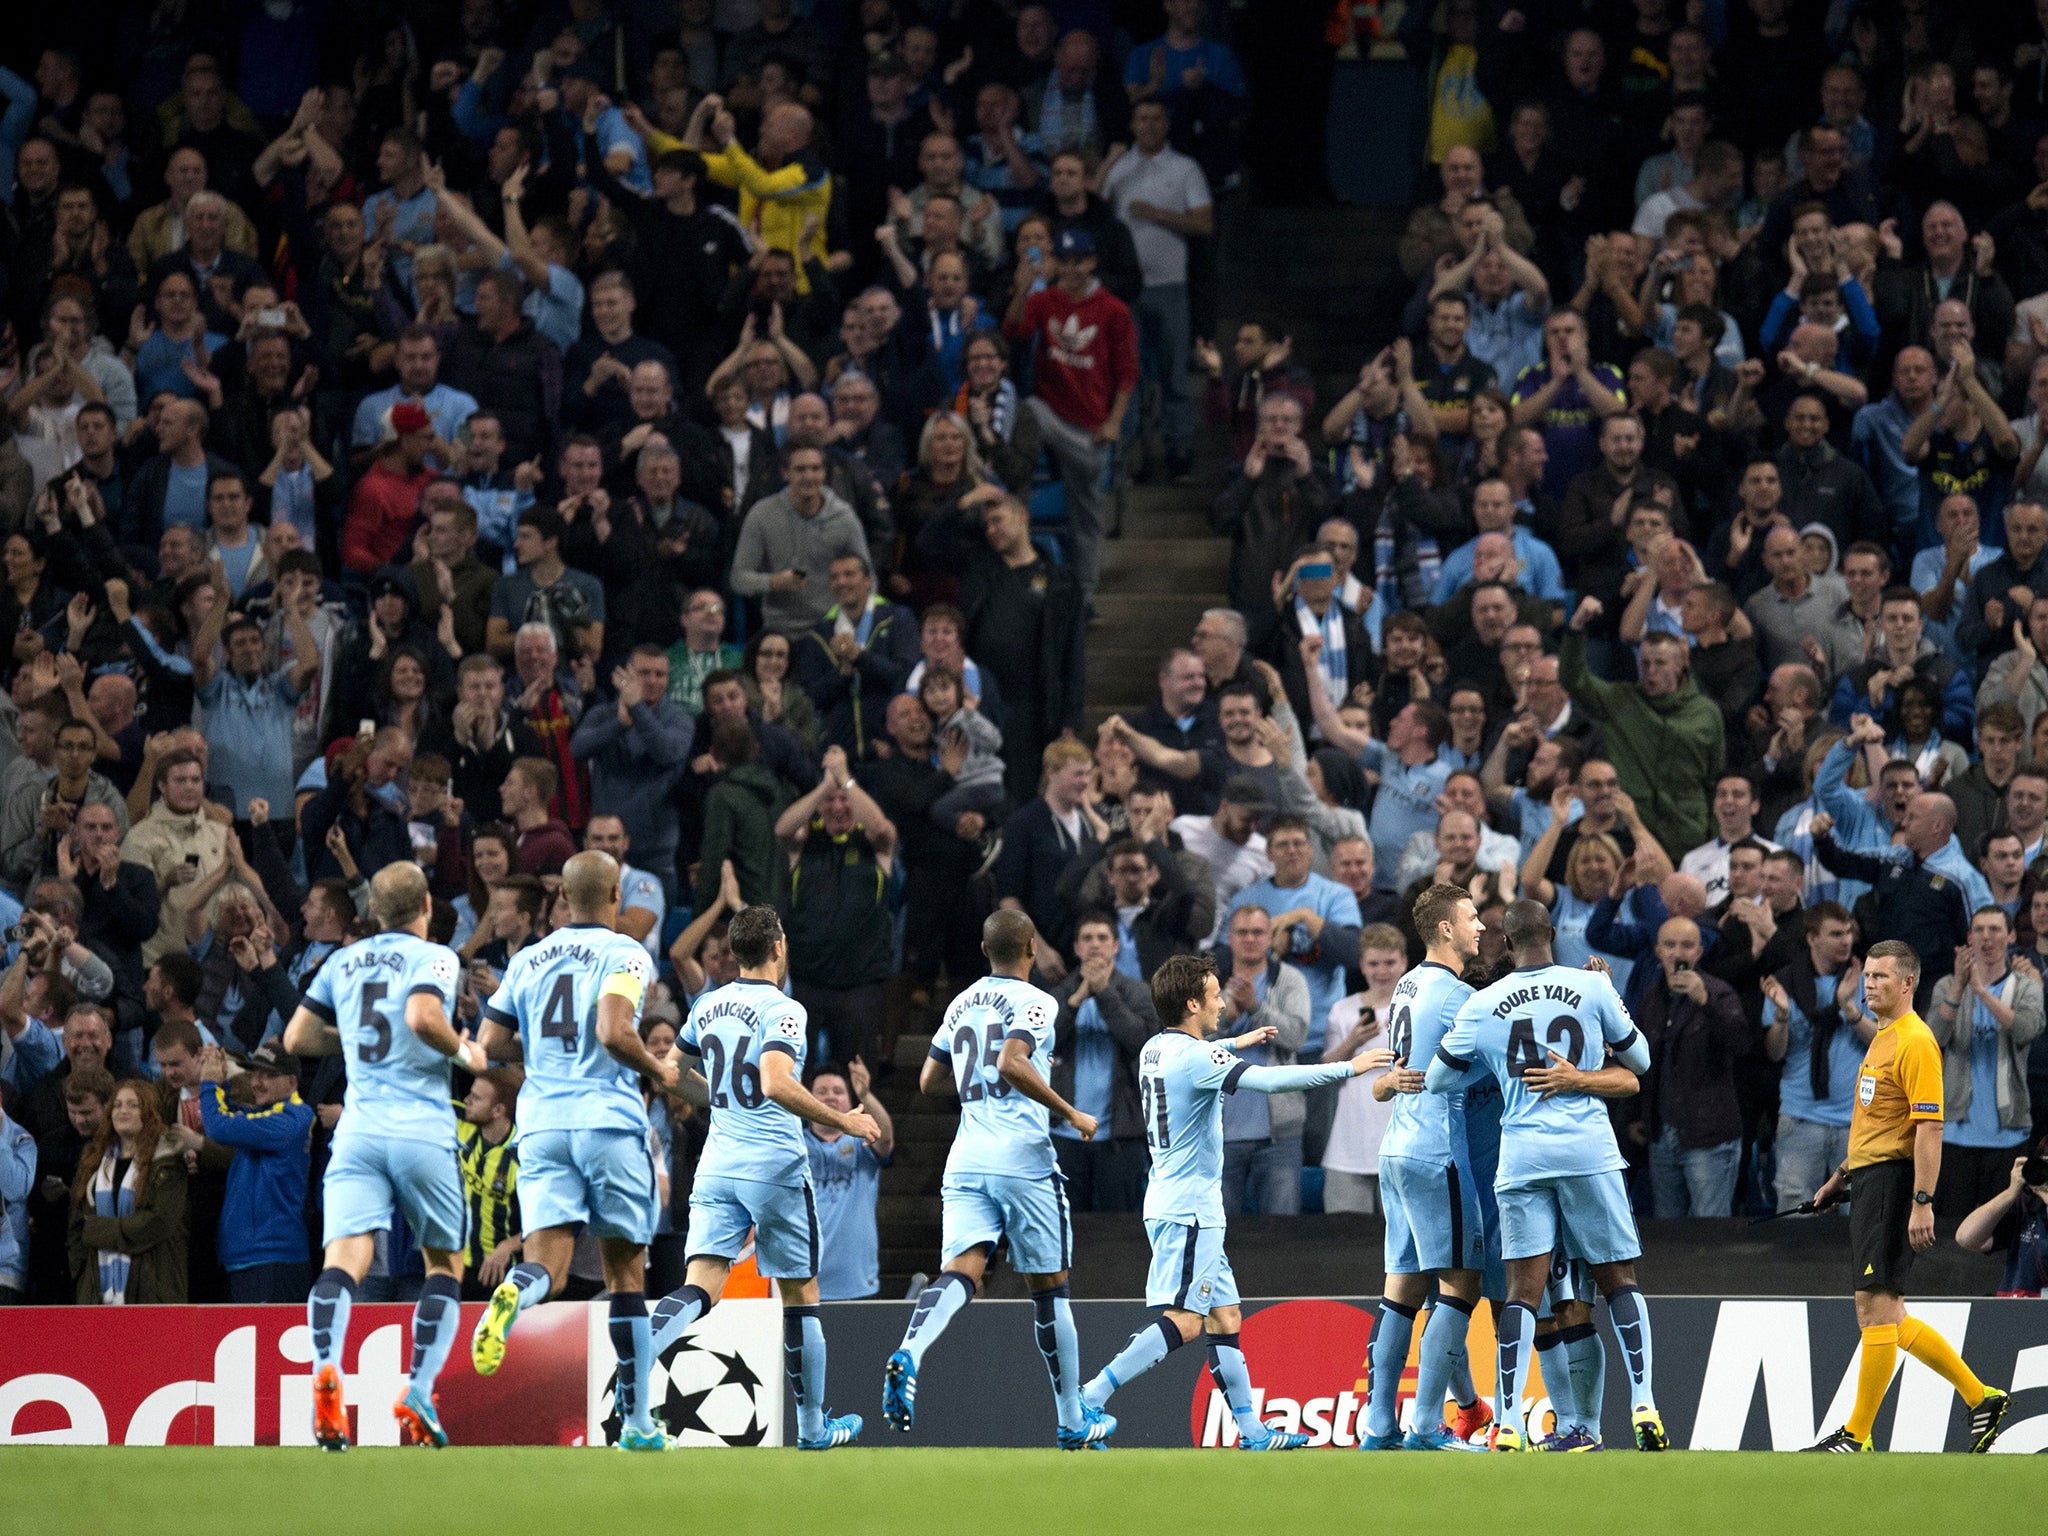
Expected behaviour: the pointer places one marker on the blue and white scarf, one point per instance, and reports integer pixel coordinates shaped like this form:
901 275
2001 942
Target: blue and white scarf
1063 127
109 1199
1336 670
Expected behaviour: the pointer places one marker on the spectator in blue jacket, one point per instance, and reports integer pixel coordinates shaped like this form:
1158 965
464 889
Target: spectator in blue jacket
1861 827
637 750
263 1244
1815 1024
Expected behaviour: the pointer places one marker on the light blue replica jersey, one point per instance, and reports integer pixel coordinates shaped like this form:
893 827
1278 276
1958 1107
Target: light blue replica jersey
1001 1131
398 1085
1181 1084
1512 1027
751 1136
549 995
1428 1127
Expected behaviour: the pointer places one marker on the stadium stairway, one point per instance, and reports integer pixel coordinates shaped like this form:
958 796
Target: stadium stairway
1325 275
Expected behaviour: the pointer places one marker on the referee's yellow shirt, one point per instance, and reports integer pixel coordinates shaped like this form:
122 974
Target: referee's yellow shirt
1898 1085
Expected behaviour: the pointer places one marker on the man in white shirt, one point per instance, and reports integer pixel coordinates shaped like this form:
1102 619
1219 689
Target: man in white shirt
1230 840
1735 808
1164 198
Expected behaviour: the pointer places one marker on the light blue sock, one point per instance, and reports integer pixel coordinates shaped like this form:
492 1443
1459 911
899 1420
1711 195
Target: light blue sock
1053 1328
1517 1344
1586 1354
327 1309
1630 1314
434 1319
533 1282
1443 1337
1388 1357
936 1304
1226 1364
633 1343
1463 1392
1148 1346
803 1363
674 1313
1557 1379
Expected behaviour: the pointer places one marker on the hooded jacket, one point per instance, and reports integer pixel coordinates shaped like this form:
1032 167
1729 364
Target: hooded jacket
1668 750
776 537
739 824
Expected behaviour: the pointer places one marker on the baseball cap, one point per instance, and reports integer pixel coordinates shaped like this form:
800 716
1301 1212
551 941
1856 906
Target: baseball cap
1069 243
407 418
1246 793
272 1057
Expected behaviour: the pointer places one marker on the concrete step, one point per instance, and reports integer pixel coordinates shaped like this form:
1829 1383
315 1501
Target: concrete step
1125 671
1182 520
1162 618
1163 565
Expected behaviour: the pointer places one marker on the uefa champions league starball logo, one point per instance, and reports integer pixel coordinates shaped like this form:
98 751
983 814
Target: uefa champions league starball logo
703 1396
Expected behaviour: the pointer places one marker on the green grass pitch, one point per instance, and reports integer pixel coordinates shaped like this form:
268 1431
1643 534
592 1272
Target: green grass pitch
57 1491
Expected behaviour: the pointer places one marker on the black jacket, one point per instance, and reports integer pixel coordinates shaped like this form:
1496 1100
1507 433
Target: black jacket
506 377
1125 1007
1035 856
142 509
1823 486
1279 641
1062 679
1693 1050
1174 922
478 774
1266 521
851 704
1116 256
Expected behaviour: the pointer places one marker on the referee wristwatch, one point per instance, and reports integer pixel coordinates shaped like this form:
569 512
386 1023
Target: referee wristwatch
1921 1197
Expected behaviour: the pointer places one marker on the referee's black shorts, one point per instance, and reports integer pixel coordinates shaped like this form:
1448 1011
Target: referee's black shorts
1880 1205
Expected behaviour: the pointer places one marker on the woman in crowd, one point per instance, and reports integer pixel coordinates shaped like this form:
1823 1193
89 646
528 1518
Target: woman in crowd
1590 873
1486 438
938 521
1005 435
28 602
128 1231
493 855
764 673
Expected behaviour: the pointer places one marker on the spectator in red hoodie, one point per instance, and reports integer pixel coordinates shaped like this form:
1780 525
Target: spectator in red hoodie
387 498
545 844
1087 368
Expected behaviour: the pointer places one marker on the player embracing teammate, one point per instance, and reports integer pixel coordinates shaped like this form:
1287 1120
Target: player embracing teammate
1542 1031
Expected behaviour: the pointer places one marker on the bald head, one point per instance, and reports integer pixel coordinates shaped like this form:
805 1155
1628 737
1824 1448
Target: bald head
1009 938
591 882
398 895
1527 926
1684 895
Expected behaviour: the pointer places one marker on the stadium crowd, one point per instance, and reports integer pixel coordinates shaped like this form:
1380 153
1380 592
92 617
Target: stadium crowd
690 431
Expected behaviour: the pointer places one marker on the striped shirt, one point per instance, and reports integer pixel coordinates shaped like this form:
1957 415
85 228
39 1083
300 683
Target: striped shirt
490 1186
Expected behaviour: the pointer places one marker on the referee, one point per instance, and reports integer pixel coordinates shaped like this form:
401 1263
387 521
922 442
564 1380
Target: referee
1894 1159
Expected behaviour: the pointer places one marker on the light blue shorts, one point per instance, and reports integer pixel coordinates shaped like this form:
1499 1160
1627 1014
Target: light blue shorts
1571 1279
1433 1217
371 1175
1189 1269
1588 1211
1028 1214
600 1179
782 1217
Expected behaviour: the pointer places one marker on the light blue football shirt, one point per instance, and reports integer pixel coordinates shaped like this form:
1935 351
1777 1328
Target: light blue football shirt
1513 1026
1181 1083
1428 1127
1001 1131
549 995
751 1136
398 1085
